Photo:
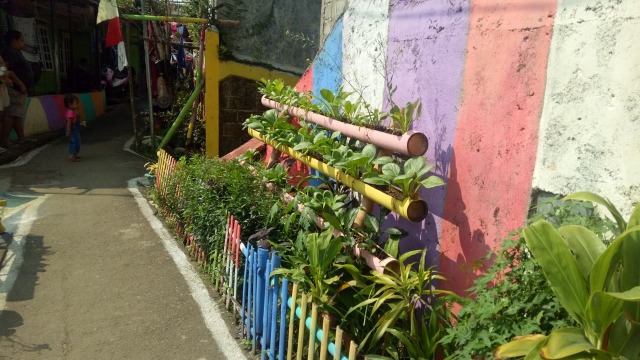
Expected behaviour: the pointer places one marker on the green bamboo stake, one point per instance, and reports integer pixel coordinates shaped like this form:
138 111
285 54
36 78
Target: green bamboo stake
180 19
182 114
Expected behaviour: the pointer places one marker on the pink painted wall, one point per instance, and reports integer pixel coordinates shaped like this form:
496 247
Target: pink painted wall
489 184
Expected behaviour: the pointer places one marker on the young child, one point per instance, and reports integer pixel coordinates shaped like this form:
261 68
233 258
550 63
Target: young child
71 103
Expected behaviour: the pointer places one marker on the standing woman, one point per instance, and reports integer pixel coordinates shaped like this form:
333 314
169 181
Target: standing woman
18 92
7 79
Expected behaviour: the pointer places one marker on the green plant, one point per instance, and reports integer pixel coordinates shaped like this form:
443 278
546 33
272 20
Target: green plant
512 297
277 91
421 347
401 296
274 126
312 264
408 179
403 117
332 104
277 175
151 167
597 285
251 156
350 161
314 141
333 207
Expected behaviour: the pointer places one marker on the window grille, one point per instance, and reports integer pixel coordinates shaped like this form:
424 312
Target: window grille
65 50
45 48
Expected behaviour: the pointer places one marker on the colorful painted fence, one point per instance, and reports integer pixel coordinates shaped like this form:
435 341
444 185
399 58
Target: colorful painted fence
274 315
46 113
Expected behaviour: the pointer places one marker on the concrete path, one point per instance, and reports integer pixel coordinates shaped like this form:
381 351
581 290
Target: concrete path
90 273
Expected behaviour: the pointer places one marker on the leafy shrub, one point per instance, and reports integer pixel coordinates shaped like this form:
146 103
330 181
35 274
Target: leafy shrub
513 297
209 189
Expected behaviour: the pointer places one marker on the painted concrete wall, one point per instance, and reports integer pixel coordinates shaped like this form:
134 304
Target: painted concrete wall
590 124
364 49
517 96
46 113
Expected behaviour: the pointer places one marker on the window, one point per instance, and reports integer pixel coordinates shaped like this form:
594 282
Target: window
45 48
65 51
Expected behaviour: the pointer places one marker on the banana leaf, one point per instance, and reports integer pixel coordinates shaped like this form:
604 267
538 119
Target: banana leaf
586 246
519 346
624 339
588 196
559 267
630 274
566 342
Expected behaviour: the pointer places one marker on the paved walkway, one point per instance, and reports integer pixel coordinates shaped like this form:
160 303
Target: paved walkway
90 272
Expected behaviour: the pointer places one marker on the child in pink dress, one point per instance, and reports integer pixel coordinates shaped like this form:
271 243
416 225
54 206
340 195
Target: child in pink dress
71 103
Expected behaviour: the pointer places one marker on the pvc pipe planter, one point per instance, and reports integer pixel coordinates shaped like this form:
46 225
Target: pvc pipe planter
410 143
374 262
410 209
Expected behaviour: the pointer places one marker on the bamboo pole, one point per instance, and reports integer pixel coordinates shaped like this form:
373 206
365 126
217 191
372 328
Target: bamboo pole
292 317
180 19
324 344
145 33
194 108
131 95
337 354
301 326
182 114
312 331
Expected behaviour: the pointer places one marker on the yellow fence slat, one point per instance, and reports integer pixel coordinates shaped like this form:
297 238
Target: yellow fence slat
303 316
292 317
325 339
338 343
312 330
352 350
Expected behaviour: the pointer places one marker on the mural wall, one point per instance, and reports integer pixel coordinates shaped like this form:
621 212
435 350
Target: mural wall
46 113
518 96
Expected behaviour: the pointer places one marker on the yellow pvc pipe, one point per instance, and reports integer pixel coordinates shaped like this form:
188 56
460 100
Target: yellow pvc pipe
410 209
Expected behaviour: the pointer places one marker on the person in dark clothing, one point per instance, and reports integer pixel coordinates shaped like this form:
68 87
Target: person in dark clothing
18 95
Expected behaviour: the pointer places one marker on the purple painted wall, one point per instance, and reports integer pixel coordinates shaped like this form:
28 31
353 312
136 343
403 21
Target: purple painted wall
426 53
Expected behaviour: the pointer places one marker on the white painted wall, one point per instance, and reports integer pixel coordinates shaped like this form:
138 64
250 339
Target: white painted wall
364 50
590 124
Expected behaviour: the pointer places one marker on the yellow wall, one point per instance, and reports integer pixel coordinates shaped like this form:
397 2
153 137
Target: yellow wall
216 71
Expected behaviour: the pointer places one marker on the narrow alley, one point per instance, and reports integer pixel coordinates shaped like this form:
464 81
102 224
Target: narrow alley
90 273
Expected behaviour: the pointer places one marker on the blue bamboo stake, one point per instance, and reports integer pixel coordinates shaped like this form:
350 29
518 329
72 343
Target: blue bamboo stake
265 311
307 323
243 316
263 256
275 284
283 317
253 296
